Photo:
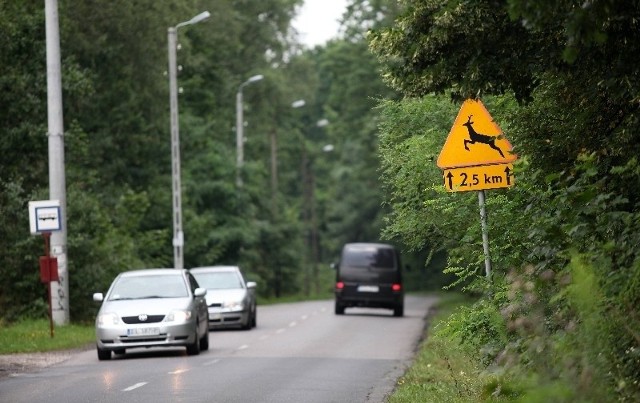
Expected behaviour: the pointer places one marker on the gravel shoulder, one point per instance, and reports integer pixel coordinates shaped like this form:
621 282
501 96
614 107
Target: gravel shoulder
12 364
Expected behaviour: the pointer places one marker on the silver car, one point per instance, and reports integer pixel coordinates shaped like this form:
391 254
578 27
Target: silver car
231 300
152 308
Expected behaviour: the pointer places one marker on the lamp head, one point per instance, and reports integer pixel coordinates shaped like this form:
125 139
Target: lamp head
200 17
322 122
298 104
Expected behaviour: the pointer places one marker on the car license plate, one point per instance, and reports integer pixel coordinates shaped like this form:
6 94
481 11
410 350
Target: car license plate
143 331
368 288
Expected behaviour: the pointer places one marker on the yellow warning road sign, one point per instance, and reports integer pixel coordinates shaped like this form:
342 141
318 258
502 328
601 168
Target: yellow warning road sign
475 139
478 178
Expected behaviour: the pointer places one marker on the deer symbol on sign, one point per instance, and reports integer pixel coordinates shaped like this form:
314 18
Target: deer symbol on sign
475 137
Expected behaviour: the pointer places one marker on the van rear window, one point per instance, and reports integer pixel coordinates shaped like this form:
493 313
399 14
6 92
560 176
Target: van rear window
383 258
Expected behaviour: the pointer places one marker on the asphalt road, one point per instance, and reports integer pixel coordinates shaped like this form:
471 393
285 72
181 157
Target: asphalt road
299 352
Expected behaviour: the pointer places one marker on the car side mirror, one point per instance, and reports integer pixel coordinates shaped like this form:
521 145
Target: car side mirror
200 292
98 297
251 284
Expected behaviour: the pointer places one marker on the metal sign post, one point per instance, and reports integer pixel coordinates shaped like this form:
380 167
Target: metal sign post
46 275
485 234
44 218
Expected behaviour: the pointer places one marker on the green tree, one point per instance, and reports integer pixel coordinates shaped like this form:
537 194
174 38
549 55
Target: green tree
575 129
115 98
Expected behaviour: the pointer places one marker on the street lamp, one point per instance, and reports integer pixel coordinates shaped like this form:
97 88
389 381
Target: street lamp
178 235
309 213
274 159
240 128
274 186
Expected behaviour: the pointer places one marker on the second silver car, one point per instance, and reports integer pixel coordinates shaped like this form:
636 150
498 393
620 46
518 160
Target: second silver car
231 300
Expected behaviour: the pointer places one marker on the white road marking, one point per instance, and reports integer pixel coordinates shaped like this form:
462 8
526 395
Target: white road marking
280 331
292 324
304 317
211 362
136 386
179 371
242 347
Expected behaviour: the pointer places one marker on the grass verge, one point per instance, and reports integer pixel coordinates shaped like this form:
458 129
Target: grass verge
30 336
441 371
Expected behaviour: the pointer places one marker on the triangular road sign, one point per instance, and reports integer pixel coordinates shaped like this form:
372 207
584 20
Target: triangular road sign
475 139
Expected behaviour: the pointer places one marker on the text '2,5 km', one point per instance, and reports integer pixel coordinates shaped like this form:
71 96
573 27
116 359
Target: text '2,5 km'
478 178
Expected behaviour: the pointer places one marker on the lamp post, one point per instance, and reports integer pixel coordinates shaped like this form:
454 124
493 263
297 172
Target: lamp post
240 128
178 235
273 144
274 187
309 213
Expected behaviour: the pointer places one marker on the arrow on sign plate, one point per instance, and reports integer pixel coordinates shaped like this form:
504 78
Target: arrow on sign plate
478 177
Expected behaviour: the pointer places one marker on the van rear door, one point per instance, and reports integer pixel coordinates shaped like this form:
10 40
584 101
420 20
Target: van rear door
368 272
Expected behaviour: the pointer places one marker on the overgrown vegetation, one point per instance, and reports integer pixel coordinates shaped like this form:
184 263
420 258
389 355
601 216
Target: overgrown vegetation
558 320
441 371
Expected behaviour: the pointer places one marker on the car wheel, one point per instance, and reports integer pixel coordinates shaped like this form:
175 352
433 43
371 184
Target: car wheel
246 325
204 341
398 310
103 355
339 308
194 348
254 319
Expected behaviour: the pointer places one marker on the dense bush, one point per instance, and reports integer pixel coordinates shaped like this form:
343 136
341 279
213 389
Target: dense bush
557 77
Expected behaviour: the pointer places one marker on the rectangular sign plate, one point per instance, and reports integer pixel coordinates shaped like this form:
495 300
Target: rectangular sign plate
478 178
44 216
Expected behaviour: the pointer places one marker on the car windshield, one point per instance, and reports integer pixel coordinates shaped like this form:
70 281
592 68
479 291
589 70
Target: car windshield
370 257
154 286
218 280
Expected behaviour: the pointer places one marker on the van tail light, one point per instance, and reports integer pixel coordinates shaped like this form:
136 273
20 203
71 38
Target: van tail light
396 287
339 285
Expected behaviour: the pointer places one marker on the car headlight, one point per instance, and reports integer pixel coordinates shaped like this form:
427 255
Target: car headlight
233 305
178 316
109 318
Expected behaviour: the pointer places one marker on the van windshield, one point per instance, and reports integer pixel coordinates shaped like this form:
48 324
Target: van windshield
378 258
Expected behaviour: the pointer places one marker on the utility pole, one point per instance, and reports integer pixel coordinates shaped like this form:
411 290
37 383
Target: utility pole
176 186
57 183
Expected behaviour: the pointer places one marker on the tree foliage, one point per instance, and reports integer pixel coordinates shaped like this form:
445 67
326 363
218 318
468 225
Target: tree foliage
560 78
117 144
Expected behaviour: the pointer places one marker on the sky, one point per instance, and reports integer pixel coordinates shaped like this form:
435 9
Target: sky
317 20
